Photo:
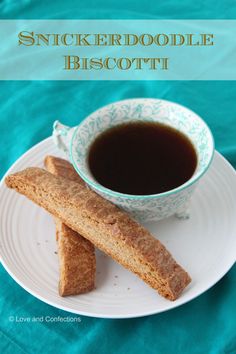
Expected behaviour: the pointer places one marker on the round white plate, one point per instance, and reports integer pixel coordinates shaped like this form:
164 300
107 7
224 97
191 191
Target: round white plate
204 245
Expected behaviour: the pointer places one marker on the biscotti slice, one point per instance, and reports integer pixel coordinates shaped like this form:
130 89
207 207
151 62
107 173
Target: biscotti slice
76 254
106 226
61 167
76 260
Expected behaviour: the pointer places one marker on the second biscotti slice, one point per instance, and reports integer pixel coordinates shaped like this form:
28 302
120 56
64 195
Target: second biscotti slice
106 226
76 254
76 261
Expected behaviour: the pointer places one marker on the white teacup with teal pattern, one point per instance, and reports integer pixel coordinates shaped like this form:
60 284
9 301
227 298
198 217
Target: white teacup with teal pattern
75 142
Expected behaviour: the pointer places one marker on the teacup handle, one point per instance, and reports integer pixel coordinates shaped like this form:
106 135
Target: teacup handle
61 136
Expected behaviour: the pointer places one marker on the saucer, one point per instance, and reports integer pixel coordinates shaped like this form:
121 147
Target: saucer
204 245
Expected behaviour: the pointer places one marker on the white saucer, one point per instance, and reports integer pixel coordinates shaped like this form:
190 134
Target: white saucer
205 245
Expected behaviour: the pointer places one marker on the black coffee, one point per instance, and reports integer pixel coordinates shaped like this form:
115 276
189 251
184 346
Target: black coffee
142 158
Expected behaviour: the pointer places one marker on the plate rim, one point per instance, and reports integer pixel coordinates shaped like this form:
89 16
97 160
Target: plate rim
108 316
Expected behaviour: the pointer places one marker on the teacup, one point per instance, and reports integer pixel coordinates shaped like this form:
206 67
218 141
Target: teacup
75 142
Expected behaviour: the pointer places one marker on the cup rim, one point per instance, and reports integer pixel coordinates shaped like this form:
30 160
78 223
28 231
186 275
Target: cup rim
110 192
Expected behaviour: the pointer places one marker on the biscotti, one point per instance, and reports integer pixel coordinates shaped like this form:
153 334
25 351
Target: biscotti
61 167
106 226
76 261
76 254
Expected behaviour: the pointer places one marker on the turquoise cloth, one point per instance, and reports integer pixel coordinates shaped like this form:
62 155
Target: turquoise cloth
27 111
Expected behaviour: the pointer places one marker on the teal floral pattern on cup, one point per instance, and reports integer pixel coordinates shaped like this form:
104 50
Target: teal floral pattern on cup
77 141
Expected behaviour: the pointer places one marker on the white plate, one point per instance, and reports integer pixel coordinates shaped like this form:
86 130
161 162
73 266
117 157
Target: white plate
205 245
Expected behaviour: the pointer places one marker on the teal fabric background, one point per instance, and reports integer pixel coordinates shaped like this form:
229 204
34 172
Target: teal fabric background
27 111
